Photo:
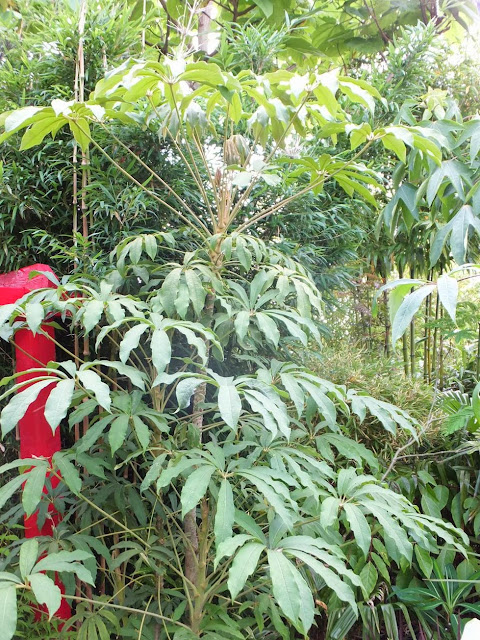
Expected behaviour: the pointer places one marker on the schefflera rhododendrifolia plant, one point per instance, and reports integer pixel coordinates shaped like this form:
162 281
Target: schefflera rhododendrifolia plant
219 464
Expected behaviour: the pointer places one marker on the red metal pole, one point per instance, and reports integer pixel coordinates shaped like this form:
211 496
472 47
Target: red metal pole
33 351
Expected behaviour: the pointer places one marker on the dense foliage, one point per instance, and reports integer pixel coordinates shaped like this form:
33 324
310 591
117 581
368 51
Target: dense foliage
224 190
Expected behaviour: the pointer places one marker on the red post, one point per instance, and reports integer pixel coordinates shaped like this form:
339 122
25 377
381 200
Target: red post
33 351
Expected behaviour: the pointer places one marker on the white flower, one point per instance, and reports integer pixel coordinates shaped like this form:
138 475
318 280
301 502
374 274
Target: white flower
472 630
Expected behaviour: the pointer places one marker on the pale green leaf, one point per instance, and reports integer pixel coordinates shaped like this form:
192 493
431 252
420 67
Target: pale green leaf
46 592
8 612
359 526
18 405
409 307
225 515
229 403
70 474
92 382
58 402
28 556
195 487
448 293
244 564
33 489
118 432
161 350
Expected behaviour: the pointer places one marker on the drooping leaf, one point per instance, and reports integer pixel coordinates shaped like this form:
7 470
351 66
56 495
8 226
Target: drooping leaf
46 592
28 556
448 293
225 516
70 474
58 402
409 307
8 611
33 489
359 526
92 382
118 432
244 564
195 487
19 404
161 350
229 403
286 588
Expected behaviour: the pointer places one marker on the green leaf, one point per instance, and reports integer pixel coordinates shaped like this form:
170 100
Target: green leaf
266 6
168 292
8 612
173 471
461 224
359 526
118 432
369 577
68 561
81 132
142 431
185 390
34 314
229 403
196 291
268 327
69 472
476 402
161 350
243 566
229 546
448 293
341 589
7 491
425 561
225 516
329 511
195 487
131 340
286 588
409 307
18 405
46 592
92 313
28 556
33 489
58 402
92 382
241 324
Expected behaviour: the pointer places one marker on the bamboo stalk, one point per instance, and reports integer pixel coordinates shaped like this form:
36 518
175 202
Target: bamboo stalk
412 334
478 352
404 337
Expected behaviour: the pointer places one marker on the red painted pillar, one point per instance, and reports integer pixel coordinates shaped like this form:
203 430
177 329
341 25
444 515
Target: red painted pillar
33 351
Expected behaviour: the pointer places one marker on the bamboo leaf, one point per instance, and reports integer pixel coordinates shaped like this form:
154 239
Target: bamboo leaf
409 307
448 293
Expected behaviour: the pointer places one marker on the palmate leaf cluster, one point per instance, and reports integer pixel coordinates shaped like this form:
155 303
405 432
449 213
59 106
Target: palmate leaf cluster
286 499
